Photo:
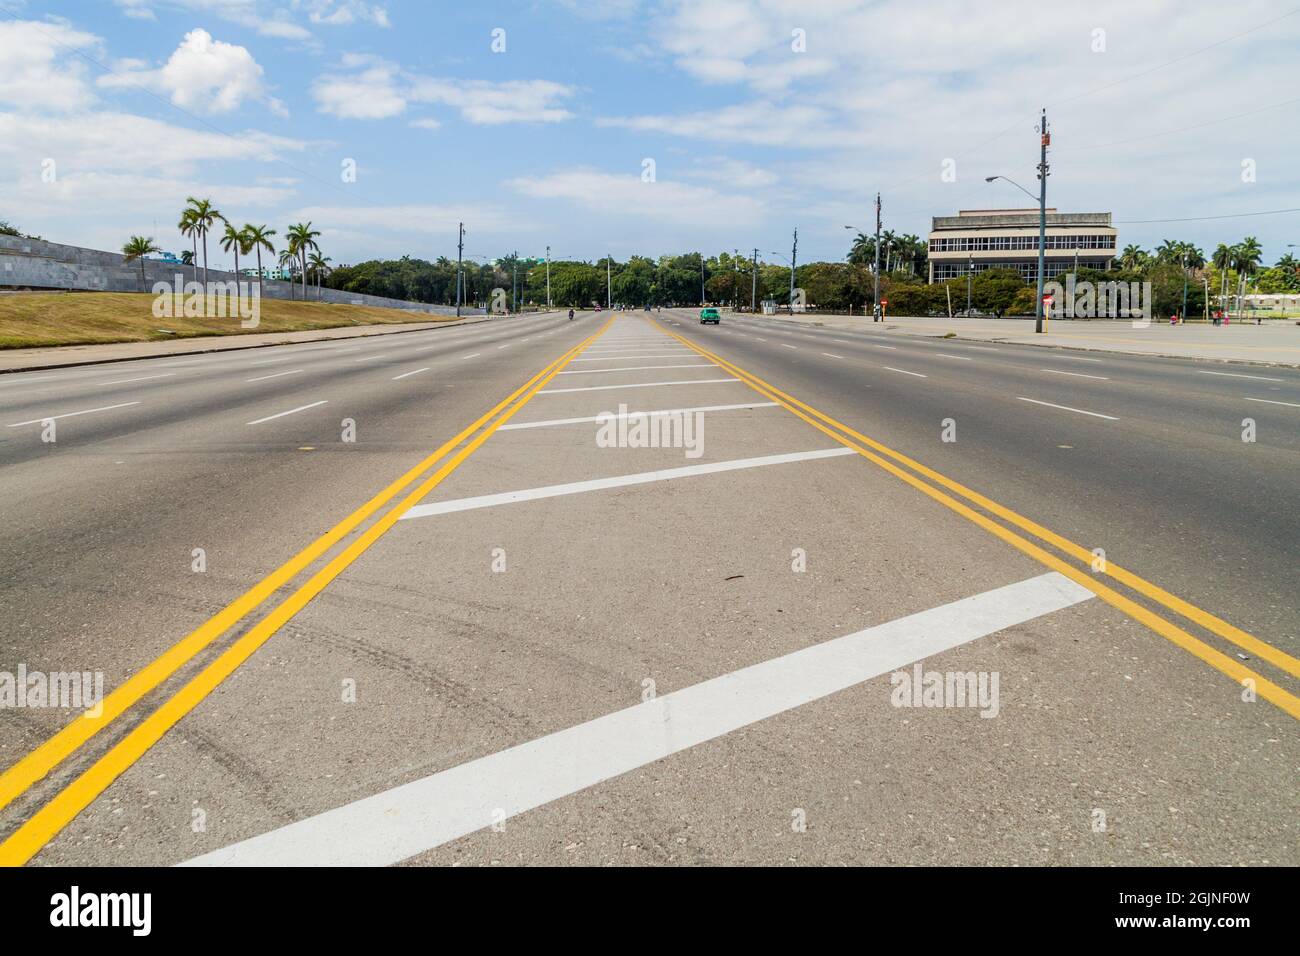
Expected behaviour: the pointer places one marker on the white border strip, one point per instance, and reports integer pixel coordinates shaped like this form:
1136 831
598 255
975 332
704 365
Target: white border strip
618 481
399 823
652 414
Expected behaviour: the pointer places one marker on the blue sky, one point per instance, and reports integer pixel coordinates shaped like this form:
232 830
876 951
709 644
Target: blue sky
757 115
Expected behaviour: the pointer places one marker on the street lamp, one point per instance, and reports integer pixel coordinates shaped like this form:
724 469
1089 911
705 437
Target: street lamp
1045 140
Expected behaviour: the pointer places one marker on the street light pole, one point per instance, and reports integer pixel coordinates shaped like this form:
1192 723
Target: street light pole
970 268
794 252
460 255
548 278
1182 316
514 282
875 270
609 282
753 291
1044 140
702 299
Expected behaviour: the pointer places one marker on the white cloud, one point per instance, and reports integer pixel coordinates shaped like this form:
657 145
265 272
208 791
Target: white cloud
344 12
425 124
677 203
265 19
202 74
39 69
485 103
378 89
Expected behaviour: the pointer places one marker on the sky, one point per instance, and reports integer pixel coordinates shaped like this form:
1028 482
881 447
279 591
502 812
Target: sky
645 127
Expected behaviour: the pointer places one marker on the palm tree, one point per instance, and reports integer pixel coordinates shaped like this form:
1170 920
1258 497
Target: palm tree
259 238
187 257
320 267
136 248
188 228
235 239
1169 251
1133 257
302 239
204 216
1247 255
288 263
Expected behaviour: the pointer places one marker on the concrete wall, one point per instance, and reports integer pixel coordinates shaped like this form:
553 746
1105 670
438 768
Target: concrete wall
36 264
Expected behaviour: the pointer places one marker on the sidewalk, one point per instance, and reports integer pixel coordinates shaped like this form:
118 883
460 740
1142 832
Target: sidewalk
1276 342
23 360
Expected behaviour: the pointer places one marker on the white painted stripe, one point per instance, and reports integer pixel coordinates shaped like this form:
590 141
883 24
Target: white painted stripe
609 358
300 408
961 358
890 347
603 388
1269 402
1061 371
1260 378
287 358
474 354
832 355
507 345
142 378
15 379
618 481
49 418
1078 358
263 378
784 346
904 371
1067 408
980 348
368 358
652 414
415 372
410 819
842 341
635 368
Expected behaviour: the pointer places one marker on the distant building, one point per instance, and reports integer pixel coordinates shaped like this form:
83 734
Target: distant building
978 239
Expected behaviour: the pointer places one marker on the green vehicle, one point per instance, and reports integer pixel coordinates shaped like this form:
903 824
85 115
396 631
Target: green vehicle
710 315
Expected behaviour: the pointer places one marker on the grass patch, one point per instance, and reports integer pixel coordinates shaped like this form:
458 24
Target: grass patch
89 318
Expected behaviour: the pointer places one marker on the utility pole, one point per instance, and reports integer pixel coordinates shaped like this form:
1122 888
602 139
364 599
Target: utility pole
609 283
970 268
548 278
1182 316
460 255
702 299
753 291
514 281
794 251
875 270
1044 140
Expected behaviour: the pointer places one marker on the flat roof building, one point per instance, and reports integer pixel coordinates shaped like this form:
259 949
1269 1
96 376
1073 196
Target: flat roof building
978 239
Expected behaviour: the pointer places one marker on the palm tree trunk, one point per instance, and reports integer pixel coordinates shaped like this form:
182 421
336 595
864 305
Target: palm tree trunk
259 272
304 274
194 265
205 266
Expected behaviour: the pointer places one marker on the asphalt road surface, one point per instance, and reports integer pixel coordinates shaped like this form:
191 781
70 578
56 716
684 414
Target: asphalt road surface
419 599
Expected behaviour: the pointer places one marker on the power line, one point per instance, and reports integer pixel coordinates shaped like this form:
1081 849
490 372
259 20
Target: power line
1232 215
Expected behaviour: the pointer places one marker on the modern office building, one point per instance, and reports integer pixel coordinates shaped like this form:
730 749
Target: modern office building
978 239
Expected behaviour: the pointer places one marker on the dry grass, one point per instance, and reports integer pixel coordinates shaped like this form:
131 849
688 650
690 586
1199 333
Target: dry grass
81 318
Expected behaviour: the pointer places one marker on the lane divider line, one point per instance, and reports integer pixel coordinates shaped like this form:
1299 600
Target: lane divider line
18 778
1265 688
616 481
41 827
399 823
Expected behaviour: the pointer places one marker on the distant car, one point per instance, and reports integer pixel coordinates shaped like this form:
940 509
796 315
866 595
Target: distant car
710 315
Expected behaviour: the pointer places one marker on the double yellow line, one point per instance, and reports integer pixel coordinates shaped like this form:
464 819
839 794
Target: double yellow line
889 460
38 830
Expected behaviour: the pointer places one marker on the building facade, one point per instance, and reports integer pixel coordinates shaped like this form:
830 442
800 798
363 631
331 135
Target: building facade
978 239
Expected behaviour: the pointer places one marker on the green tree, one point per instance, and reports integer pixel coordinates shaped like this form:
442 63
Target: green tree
258 238
202 217
302 240
135 250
